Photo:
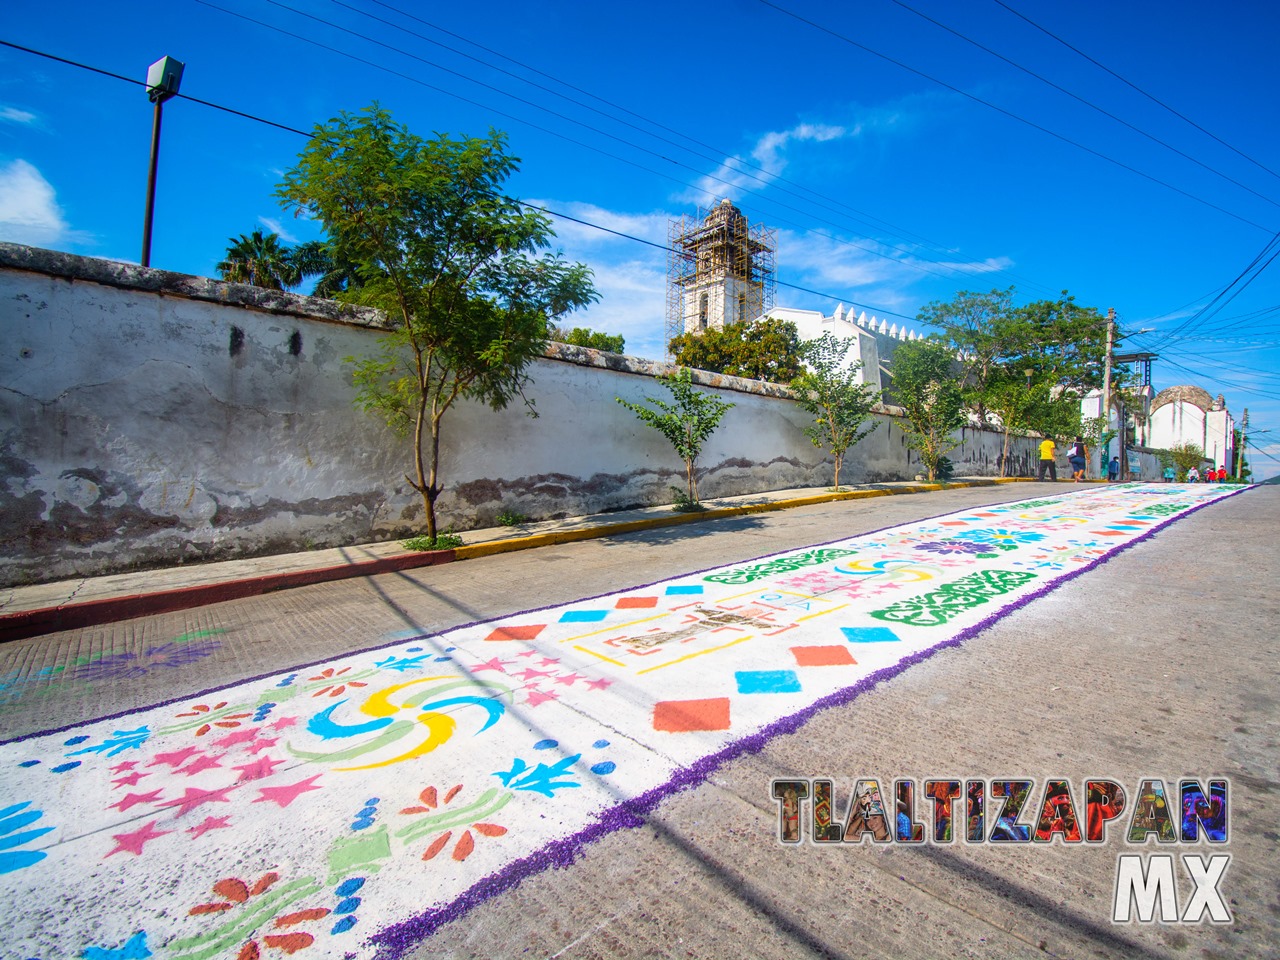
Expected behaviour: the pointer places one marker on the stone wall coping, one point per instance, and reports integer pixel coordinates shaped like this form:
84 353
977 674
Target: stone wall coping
131 276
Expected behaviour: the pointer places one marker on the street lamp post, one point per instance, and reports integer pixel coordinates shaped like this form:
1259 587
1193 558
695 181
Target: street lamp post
163 79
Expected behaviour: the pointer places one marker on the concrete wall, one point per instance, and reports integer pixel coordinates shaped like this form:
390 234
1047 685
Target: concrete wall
148 418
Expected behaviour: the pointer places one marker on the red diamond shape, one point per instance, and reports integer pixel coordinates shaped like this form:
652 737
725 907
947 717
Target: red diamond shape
526 631
631 603
822 656
687 716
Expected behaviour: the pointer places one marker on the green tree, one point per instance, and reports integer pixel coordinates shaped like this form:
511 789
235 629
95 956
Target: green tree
764 349
1184 457
832 394
595 339
686 422
261 260
985 331
927 386
454 263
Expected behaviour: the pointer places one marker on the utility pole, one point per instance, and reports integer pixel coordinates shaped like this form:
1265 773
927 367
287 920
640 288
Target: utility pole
1106 387
1244 444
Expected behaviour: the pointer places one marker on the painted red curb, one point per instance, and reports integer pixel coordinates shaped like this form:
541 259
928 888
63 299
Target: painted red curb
92 613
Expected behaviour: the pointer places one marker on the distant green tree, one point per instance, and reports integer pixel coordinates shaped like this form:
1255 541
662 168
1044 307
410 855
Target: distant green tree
260 260
586 337
1185 456
766 349
927 386
686 422
832 394
452 261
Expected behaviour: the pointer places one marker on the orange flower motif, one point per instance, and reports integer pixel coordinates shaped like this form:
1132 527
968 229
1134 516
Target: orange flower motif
235 892
228 721
334 690
466 843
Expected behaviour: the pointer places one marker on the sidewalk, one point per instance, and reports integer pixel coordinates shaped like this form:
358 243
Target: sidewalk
83 602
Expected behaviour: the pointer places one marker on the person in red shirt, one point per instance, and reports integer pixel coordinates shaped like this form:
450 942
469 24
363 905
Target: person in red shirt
1222 474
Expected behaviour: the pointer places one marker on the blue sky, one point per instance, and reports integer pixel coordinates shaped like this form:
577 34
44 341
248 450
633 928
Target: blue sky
890 184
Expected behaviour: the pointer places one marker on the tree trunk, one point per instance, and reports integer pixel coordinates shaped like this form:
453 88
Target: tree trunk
692 480
837 460
1004 457
432 492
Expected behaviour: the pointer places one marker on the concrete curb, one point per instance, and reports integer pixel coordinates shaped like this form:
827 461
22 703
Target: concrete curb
90 613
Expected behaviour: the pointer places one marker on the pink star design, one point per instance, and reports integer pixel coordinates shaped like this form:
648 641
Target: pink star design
201 763
568 679
133 842
262 744
195 797
259 769
530 674
133 799
174 758
239 736
599 684
536 697
547 661
124 765
284 723
131 780
528 653
210 823
494 664
286 795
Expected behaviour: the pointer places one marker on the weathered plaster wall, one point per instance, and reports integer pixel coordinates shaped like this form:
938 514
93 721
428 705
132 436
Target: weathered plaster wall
148 418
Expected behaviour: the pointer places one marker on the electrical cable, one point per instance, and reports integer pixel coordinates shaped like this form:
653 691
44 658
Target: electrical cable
1009 113
1088 103
1134 86
909 263
547 210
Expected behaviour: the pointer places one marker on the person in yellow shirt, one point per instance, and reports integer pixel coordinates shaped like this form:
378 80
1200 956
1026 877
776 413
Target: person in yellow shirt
1048 457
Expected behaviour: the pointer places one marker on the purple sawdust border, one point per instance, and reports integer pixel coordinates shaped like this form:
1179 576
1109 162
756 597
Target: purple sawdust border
411 638
394 940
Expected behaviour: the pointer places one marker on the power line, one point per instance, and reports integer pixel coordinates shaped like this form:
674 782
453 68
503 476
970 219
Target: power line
909 263
1088 103
1134 86
532 206
1012 115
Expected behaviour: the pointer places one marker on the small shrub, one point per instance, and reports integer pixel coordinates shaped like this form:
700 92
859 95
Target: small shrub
510 518
684 503
444 541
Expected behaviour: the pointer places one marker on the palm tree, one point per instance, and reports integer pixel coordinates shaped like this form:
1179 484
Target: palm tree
261 260
317 259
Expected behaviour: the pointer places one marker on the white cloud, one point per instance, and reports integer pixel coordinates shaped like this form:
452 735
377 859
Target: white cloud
29 211
768 160
14 115
275 227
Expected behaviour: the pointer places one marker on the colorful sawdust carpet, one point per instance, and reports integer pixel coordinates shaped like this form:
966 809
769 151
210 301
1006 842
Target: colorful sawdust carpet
349 808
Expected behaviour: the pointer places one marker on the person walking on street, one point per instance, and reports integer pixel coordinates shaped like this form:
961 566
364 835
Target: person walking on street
1193 475
1076 456
1222 474
1048 456
1113 470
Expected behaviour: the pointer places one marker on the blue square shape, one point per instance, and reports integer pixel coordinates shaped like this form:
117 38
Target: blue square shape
869 635
767 681
584 616
674 591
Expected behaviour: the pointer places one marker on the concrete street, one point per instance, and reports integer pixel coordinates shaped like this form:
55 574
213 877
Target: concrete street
1160 663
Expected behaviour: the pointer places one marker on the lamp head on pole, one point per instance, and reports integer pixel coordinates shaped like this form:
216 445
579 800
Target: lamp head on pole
163 79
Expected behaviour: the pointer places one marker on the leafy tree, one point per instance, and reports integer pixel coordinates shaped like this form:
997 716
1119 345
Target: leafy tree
453 262
927 387
595 339
261 260
1185 456
686 422
985 330
336 273
832 394
764 349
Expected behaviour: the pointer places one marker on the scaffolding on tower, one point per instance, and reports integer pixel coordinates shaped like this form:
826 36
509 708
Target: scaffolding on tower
714 251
